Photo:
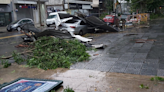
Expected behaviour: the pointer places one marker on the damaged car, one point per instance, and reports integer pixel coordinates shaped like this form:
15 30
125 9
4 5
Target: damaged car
76 26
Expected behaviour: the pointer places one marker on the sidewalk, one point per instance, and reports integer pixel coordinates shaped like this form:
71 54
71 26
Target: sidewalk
3 29
85 80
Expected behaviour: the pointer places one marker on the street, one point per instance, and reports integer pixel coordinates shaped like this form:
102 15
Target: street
8 41
128 55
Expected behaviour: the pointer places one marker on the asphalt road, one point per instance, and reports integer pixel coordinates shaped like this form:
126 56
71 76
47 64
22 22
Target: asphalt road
8 41
122 54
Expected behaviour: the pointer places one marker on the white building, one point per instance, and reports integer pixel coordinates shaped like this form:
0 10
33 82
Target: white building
30 9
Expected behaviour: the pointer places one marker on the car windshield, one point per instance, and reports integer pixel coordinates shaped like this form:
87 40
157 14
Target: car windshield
15 22
108 17
71 21
51 16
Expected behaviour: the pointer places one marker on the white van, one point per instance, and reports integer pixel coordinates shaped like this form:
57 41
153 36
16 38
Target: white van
55 18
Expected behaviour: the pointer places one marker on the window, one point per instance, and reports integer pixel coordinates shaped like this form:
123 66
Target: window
21 22
51 16
71 21
108 17
82 23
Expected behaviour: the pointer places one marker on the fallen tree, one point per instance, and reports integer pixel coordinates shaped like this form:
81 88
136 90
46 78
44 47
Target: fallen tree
51 53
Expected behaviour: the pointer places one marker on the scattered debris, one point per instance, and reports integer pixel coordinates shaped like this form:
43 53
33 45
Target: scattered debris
156 78
21 45
97 23
140 41
130 34
143 40
99 46
118 88
90 76
67 89
95 54
13 71
5 63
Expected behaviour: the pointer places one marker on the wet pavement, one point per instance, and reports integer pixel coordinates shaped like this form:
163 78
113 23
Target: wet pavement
124 55
84 80
8 41
121 67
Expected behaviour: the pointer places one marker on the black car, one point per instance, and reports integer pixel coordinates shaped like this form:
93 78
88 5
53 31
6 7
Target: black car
16 25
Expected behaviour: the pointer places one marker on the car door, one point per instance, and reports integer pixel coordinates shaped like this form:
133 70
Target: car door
83 26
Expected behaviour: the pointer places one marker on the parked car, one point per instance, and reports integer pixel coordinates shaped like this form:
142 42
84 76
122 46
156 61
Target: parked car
76 26
110 19
55 18
16 25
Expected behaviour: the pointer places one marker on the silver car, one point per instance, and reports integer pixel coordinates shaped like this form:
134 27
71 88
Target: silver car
75 25
16 25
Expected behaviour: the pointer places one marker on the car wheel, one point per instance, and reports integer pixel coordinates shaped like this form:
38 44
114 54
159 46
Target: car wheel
81 32
9 30
18 29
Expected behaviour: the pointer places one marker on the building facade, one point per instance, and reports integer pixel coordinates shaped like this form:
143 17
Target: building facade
71 6
34 9
5 12
98 7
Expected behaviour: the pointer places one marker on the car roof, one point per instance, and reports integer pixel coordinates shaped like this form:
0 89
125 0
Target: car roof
54 13
25 19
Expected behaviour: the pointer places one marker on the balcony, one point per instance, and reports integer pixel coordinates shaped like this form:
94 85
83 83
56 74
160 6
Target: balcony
79 1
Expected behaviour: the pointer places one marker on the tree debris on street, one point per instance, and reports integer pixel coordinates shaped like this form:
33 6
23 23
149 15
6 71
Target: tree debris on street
51 53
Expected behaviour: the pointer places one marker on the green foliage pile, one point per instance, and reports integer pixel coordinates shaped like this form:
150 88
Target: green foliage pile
156 78
17 57
142 86
50 53
68 90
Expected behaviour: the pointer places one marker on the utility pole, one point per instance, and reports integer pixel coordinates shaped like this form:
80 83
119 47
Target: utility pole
63 5
40 14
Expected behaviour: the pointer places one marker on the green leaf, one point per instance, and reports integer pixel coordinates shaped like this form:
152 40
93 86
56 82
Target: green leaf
13 71
141 86
152 79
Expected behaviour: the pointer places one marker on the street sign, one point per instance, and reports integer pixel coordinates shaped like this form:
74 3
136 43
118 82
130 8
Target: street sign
30 85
